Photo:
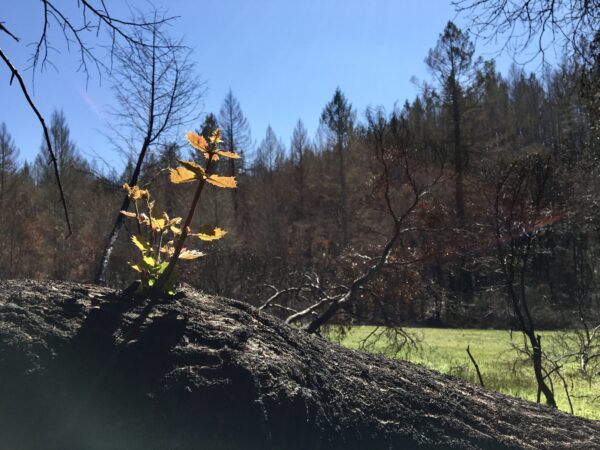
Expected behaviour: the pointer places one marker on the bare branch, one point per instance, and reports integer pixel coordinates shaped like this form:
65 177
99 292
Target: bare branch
17 75
476 366
157 92
3 28
570 24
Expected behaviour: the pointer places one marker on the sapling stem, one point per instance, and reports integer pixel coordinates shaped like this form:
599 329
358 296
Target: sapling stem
143 278
162 279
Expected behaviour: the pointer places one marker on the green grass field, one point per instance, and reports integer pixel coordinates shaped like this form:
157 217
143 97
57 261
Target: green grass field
501 367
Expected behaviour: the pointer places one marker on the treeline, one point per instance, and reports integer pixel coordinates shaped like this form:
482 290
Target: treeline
506 167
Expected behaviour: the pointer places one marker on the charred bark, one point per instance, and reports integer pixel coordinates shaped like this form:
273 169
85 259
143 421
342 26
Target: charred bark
87 367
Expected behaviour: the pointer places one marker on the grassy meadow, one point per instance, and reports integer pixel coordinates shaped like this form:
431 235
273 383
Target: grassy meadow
501 366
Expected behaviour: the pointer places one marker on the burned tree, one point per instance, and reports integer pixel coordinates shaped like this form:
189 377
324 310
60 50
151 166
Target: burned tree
519 209
338 118
236 136
76 28
87 367
451 62
541 23
157 93
316 300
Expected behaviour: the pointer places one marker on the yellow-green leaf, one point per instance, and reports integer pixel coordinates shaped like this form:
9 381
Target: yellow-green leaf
182 175
168 249
215 138
150 261
231 155
139 243
135 193
135 267
210 234
193 166
224 182
190 254
197 141
207 155
157 224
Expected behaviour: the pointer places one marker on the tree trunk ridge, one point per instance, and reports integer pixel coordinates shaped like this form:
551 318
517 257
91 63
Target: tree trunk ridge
85 367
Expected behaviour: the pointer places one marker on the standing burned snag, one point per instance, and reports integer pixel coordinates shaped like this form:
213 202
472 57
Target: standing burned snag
77 28
451 62
338 117
236 137
299 148
157 93
520 205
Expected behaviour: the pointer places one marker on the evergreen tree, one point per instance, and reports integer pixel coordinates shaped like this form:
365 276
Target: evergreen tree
451 61
64 149
299 147
338 118
8 161
236 136
209 124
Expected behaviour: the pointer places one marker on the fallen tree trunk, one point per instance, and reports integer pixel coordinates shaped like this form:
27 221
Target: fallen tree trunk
82 367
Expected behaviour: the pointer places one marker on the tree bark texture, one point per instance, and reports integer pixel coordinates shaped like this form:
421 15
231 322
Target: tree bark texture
86 367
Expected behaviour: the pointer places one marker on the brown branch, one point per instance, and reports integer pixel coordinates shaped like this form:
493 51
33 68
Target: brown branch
17 75
331 304
476 366
382 260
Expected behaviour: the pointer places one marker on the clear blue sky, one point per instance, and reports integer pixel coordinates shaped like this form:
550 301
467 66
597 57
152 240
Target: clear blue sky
282 58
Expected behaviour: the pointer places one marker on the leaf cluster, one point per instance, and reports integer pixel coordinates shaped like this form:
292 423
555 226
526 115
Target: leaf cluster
160 239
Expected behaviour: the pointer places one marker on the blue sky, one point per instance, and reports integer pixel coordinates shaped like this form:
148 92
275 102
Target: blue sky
283 60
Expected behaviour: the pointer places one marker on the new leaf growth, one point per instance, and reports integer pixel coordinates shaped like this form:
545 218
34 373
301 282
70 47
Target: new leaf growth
160 239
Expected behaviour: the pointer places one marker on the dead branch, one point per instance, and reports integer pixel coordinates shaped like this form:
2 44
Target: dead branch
570 24
4 29
476 366
91 21
157 92
17 75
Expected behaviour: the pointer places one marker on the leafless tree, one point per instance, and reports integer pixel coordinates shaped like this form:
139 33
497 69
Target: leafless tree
337 120
157 93
78 29
586 341
451 62
323 300
299 147
570 24
518 209
582 345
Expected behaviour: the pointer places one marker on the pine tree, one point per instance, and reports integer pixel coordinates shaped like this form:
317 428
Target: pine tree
338 118
236 136
8 161
300 146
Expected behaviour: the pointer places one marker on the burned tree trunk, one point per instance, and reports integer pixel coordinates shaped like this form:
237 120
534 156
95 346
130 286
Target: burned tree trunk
86 367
